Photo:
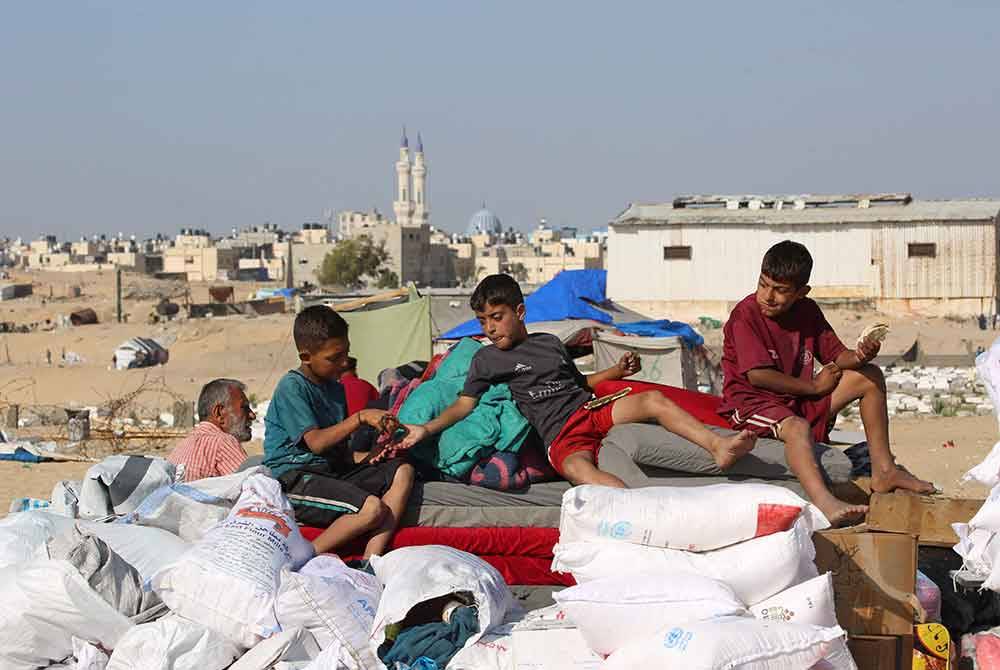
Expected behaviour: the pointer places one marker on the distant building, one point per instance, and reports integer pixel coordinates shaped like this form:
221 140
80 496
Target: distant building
938 255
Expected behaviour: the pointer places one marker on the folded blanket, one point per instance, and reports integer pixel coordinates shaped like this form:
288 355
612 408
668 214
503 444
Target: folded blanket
495 424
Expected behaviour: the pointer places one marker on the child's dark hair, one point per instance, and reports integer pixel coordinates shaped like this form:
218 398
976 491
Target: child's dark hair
788 262
315 325
496 290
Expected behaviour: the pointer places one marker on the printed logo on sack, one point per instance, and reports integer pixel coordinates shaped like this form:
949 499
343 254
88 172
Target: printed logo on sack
262 513
677 638
777 613
807 357
365 608
521 368
616 531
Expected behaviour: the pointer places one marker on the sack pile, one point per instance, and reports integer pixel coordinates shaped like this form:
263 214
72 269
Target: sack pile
709 577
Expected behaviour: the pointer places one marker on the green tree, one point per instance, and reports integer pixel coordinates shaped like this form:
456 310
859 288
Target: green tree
518 272
352 263
387 279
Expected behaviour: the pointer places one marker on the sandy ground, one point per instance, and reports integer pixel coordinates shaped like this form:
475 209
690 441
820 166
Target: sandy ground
259 350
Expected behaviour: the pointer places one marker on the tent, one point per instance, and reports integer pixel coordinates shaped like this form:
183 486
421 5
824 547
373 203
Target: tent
140 352
581 295
390 336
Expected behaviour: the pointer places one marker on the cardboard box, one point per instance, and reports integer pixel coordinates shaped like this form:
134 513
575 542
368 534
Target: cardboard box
874 578
880 652
927 517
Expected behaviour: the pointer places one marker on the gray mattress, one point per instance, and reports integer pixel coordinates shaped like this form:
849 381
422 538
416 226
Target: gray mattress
640 454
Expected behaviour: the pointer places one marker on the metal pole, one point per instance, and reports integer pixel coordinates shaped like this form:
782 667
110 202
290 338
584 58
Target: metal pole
118 293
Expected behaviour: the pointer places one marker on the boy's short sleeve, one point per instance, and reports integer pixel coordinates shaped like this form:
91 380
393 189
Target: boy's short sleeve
748 342
479 378
292 409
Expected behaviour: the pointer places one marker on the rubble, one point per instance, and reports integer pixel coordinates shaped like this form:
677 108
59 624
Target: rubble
929 390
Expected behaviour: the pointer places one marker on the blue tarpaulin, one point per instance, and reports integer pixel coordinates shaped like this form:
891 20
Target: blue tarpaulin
558 300
663 328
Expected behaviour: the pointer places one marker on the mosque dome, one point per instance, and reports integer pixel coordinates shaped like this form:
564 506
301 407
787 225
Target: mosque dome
485 222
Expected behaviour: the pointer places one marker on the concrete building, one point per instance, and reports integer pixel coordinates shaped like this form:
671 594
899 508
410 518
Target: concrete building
350 223
937 256
201 263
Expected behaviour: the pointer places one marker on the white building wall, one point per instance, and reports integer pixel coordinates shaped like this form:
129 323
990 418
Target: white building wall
725 260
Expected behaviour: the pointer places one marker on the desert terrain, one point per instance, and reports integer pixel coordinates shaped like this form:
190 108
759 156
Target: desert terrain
258 350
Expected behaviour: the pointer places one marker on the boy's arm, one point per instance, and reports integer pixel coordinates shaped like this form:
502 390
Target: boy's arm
628 365
455 412
770 379
319 440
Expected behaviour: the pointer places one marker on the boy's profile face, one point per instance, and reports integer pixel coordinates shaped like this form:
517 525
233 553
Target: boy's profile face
329 360
775 297
502 324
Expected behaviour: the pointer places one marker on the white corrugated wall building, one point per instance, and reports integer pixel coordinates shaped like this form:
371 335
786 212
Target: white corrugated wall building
938 256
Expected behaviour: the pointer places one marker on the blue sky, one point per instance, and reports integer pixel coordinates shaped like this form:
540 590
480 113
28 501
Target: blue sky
143 117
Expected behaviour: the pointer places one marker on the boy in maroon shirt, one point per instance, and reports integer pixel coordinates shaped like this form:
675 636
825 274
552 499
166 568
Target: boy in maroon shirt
773 339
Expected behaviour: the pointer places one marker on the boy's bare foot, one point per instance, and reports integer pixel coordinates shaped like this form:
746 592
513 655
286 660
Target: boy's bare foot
727 450
841 514
898 478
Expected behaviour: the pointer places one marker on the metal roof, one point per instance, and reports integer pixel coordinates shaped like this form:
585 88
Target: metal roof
917 210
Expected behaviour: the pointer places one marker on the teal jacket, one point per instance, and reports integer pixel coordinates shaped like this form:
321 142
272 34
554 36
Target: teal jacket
495 424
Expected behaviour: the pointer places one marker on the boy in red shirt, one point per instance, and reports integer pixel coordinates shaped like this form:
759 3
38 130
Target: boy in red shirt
773 339
358 391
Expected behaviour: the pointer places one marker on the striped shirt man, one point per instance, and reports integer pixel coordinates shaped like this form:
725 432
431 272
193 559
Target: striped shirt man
208 451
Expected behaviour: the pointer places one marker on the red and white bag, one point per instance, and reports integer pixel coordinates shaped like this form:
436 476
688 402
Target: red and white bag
700 518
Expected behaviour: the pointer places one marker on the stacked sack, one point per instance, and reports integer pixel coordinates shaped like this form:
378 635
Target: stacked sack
706 577
215 574
979 540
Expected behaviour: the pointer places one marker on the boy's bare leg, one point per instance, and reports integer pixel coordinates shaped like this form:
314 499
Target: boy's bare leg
796 433
394 501
349 526
868 385
579 468
651 405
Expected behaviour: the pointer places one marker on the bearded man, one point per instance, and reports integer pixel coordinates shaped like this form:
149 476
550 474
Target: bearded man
213 448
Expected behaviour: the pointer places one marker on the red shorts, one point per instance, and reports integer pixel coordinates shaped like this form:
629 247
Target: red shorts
765 418
583 431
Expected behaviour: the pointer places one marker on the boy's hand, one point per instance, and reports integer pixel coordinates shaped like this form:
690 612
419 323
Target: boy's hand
827 379
414 434
867 350
629 364
381 420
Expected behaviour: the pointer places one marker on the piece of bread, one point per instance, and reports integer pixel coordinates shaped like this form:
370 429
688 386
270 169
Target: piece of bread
875 332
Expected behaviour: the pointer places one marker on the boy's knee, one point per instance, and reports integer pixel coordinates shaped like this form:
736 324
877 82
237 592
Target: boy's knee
874 375
795 427
372 512
405 474
655 400
576 466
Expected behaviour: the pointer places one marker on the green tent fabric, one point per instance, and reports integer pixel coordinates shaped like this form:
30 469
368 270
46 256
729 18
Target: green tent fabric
391 336
495 424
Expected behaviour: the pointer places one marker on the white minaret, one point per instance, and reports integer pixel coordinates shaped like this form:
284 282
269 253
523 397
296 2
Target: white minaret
403 206
421 214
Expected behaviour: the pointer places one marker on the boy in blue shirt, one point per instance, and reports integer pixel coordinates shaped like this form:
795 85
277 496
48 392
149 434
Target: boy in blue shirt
305 444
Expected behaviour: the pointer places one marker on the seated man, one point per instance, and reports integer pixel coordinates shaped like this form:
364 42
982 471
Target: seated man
213 448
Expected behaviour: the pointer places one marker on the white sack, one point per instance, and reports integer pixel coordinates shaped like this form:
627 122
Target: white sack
335 603
685 518
988 369
539 640
148 550
412 575
614 611
731 642
988 515
24 535
978 547
118 484
65 498
987 472
45 605
172 643
292 645
755 569
813 603
228 581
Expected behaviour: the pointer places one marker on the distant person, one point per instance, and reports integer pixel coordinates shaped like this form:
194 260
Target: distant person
358 391
306 448
553 395
213 448
771 342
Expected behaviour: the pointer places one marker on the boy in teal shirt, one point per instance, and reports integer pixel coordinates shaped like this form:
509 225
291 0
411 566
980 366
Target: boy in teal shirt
305 444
